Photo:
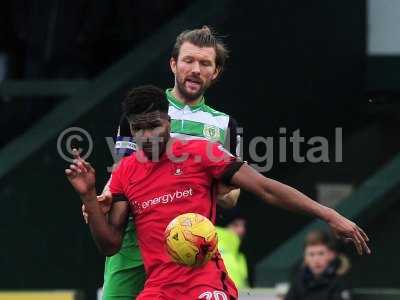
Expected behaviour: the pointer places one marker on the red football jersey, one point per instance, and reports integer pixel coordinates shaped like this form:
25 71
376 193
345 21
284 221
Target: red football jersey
180 182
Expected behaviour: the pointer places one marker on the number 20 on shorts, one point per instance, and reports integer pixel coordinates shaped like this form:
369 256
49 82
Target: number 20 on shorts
215 295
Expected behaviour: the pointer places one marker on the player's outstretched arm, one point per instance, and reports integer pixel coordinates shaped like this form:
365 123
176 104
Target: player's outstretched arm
107 232
279 194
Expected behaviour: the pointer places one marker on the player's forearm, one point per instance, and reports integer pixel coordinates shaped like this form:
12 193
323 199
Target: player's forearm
282 195
107 239
279 194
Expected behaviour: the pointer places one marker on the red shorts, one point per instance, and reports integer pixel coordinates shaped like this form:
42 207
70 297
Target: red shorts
174 282
198 292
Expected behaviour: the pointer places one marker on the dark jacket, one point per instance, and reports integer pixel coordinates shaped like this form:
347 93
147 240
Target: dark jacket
331 285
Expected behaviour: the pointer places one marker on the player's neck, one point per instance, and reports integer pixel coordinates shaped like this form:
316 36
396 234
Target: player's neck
178 96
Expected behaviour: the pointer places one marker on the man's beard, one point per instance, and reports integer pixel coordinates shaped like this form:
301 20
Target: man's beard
189 96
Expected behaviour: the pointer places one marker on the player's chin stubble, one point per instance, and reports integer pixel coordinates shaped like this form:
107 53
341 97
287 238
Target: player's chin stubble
186 94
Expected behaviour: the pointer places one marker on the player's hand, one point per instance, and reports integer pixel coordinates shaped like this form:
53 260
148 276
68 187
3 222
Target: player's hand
349 232
223 189
105 201
227 196
81 175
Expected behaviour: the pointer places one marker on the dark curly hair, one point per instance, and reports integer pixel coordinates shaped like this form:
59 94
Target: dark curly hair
144 99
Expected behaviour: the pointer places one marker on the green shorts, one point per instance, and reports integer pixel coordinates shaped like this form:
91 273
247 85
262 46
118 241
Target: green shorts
124 274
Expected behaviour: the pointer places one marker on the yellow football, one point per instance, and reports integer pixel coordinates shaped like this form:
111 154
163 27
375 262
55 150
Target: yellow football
191 239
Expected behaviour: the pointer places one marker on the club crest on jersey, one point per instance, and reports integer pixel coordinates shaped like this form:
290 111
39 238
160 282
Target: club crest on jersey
177 170
211 132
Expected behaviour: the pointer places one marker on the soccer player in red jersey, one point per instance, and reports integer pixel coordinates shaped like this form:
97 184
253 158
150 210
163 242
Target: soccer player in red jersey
168 177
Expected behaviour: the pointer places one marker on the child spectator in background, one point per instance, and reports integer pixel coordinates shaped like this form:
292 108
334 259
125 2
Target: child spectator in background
322 275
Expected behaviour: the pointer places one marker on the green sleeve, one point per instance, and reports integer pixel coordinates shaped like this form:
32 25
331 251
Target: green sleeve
124 274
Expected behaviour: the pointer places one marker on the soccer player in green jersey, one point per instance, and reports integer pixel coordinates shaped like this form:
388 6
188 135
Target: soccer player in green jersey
197 60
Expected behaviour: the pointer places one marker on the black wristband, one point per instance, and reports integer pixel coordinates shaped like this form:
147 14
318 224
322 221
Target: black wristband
230 171
118 197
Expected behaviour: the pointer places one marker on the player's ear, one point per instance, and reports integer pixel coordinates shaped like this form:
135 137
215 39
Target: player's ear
216 73
172 64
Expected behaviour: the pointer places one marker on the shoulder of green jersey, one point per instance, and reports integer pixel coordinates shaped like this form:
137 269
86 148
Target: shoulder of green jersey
212 111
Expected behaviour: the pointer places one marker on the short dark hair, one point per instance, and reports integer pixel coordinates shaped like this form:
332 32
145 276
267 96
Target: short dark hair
203 37
320 237
144 99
